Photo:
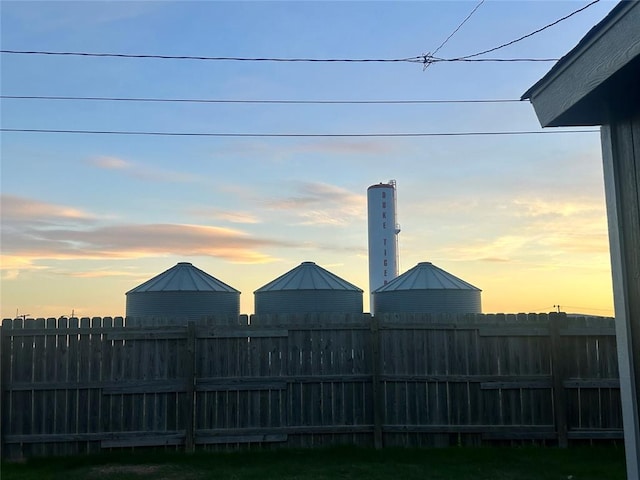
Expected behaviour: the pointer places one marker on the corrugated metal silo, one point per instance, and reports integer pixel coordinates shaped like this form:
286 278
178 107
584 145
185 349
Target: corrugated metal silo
427 289
185 292
308 288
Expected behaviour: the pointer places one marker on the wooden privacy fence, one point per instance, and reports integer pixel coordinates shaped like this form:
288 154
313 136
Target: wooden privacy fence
72 386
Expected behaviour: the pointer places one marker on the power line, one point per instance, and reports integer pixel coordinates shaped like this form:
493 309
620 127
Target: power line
543 309
294 102
477 60
426 59
528 34
589 308
289 135
458 27
417 59
422 59
554 308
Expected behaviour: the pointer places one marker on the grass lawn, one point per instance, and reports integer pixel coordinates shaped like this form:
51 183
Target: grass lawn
522 463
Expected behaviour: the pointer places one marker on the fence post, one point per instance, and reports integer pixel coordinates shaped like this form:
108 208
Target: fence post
3 379
376 391
190 399
558 369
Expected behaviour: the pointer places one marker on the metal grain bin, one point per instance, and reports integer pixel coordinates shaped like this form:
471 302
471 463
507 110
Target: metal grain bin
427 289
308 288
184 292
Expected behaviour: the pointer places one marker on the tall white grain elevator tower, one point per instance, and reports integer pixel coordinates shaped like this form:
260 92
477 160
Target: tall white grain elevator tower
383 235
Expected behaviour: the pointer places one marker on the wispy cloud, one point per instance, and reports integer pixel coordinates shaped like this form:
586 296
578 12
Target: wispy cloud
111 163
329 146
136 241
142 172
226 215
504 248
536 207
322 204
53 16
102 274
37 234
348 147
34 232
542 229
12 265
22 209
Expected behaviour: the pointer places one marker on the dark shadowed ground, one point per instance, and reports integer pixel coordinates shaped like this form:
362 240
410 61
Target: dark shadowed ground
521 463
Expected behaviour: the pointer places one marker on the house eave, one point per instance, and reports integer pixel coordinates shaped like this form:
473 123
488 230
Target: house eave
580 85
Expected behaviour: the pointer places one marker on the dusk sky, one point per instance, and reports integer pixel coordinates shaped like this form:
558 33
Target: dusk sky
87 217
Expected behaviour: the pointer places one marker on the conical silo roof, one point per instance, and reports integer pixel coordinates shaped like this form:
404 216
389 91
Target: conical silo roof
308 289
427 289
426 276
183 277
308 276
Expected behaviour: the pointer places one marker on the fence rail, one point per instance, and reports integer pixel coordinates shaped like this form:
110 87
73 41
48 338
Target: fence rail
83 385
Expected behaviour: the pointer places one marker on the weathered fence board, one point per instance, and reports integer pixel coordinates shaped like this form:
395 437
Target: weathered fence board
82 385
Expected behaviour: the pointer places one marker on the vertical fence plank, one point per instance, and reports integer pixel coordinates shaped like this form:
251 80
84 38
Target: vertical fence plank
558 365
4 358
7 377
105 376
60 395
49 402
36 353
116 402
71 408
189 373
95 378
376 391
84 377
25 369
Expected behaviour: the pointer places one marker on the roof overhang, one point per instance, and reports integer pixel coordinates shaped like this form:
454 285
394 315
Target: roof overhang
602 71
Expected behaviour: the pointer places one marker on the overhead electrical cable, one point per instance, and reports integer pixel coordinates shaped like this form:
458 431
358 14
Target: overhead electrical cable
589 308
425 59
457 28
255 101
488 60
466 57
543 309
418 59
290 135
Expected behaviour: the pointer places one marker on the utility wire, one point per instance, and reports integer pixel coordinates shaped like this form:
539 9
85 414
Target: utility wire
426 59
290 135
457 28
543 309
466 57
418 59
294 102
589 308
